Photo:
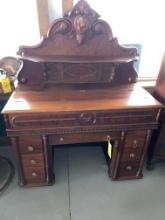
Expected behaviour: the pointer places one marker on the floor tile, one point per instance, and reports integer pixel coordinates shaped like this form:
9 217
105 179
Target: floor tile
94 196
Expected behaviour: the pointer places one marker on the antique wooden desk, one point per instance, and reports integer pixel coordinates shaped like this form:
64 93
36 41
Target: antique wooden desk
79 85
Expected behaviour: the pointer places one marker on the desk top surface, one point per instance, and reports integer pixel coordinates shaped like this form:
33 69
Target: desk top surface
130 96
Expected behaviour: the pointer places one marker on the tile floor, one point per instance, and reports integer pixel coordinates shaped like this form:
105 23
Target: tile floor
83 191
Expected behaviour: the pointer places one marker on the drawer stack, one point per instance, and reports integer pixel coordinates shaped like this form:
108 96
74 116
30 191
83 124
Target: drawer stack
32 160
131 155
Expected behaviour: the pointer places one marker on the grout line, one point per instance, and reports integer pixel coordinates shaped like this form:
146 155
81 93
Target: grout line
70 214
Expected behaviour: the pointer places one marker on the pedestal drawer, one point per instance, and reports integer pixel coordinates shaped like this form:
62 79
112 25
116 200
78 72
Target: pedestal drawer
128 169
30 144
132 154
135 139
32 160
34 173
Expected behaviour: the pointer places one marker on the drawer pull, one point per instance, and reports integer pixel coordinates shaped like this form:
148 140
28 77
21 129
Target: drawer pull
33 162
30 148
129 168
132 155
34 174
61 139
135 144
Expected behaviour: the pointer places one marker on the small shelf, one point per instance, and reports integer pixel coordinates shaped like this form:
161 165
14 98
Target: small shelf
78 59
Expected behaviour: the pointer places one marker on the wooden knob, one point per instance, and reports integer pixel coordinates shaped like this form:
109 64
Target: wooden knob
33 162
129 168
61 139
135 143
34 174
132 155
30 148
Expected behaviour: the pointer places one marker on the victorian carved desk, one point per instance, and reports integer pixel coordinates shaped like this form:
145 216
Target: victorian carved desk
79 85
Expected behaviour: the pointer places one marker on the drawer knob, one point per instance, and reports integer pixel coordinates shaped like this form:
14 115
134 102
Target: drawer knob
135 143
33 162
34 174
132 155
129 168
61 139
30 148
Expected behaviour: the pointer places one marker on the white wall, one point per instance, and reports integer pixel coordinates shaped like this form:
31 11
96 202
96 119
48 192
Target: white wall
18 24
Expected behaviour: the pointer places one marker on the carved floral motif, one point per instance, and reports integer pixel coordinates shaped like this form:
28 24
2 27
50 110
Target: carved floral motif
81 22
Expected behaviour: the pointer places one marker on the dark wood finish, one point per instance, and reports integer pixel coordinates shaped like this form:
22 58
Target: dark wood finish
156 150
78 49
79 85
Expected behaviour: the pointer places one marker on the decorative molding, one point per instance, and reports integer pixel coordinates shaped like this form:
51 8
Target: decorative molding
83 26
82 130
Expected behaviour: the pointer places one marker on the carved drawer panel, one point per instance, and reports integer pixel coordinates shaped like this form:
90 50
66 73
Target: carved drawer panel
35 173
85 118
132 154
128 169
135 139
30 144
32 160
79 72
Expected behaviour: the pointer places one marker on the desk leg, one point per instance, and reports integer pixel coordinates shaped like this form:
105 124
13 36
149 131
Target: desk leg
114 165
48 156
15 144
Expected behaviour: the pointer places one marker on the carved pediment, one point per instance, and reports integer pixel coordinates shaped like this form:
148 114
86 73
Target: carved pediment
80 32
78 49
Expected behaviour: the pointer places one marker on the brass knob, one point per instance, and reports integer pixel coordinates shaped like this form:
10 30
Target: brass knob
30 148
34 174
129 168
33 162
132 155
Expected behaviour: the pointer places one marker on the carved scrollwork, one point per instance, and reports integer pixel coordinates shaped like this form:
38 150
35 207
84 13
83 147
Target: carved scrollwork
87 118
61 26
82 17
101 27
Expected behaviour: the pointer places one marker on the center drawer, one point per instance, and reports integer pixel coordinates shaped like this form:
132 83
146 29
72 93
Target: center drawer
86 118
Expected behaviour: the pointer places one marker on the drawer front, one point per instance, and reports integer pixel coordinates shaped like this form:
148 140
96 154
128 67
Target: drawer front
82 138
135 139
30 144
33 160
85 118
128 169
132 154
34 174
